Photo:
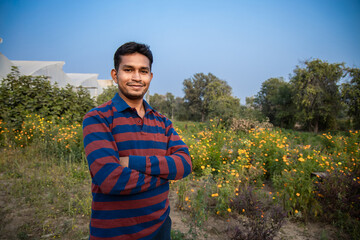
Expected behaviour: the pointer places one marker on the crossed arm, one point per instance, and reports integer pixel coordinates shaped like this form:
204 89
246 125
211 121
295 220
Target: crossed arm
132 174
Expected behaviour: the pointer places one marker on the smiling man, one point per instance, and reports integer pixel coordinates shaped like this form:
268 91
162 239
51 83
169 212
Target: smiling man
132 151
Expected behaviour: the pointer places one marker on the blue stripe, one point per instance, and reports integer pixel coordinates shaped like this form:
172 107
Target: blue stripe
176 143
104 172
114 232
127 128
155 168
139 183
100 153
187 169
172 167
96 120
103 109
95 136
122 181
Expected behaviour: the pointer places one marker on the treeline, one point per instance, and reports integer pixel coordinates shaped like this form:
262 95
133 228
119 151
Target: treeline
313 99
319 96
206 97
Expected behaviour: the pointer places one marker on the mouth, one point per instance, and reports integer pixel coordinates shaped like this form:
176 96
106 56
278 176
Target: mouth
135 85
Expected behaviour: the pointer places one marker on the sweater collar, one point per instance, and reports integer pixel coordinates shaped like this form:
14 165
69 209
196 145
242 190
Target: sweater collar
121 105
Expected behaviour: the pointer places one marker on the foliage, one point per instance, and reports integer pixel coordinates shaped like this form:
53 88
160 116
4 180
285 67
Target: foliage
264 219
207 96
107 94
339 194
275 102
246 125
23 95
317 96
273 168
351 96
287 160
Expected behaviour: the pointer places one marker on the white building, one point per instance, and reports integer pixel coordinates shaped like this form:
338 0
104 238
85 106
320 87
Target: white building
54 70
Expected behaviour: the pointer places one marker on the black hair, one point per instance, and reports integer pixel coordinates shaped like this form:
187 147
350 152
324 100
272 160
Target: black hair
130 48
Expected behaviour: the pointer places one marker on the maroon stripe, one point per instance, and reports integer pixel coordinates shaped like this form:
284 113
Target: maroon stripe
100 162
109 183
130 136
142 152
131 204
97 127
99 144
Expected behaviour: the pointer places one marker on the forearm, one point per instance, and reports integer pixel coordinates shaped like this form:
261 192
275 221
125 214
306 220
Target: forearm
173 167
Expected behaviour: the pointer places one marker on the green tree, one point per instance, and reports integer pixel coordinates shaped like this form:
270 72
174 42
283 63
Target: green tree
350 92
317 95
275 101
107 94
208 96
165 104
22 95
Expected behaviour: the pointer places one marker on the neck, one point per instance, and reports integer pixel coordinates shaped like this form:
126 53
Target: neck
134 103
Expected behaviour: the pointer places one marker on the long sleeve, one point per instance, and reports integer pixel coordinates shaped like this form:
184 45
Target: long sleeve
103 159
175 165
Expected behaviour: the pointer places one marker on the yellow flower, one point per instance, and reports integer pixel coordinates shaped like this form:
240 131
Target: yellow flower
219 186
229 209
202 167
215 195
298 194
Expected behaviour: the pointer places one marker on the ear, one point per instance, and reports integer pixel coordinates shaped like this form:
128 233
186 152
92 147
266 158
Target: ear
114 76
151 76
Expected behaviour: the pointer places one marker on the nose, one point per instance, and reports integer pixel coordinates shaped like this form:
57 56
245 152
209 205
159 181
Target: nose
136 76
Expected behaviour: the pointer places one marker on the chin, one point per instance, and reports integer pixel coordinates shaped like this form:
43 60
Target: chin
134 96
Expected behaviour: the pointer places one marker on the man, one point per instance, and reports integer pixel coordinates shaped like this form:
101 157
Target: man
132 151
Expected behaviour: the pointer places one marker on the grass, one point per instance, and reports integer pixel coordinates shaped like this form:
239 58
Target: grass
46 181
54 194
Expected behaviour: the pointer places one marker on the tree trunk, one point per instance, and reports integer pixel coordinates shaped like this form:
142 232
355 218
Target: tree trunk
316 127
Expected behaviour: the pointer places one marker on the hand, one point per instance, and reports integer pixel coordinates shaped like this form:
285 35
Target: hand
124 161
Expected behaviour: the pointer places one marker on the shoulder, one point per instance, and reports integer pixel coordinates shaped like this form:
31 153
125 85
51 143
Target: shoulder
161 118
102 113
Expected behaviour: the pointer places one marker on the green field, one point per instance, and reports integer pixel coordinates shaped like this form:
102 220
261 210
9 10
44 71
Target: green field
261 175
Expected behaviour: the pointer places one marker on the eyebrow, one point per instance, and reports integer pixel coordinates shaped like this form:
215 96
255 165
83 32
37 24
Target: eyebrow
129 66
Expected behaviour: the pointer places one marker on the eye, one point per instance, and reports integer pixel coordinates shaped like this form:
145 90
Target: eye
144 71
127 70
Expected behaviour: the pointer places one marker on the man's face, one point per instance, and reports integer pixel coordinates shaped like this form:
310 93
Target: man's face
133 77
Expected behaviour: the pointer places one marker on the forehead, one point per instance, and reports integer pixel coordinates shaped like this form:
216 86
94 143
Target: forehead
135 60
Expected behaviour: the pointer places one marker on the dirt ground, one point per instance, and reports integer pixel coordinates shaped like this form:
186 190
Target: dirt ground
16 222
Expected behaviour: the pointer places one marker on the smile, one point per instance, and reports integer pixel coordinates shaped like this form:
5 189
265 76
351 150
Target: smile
135 85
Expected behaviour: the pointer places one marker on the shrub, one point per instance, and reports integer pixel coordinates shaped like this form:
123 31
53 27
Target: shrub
245 125
23 95
264 217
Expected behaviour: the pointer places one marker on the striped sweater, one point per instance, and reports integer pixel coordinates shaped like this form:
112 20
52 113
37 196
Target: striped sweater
131 202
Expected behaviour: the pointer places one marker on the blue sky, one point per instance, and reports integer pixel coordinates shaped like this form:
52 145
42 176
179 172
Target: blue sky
242 42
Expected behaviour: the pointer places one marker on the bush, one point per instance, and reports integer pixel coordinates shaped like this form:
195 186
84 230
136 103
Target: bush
245 125
24 95
264 217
